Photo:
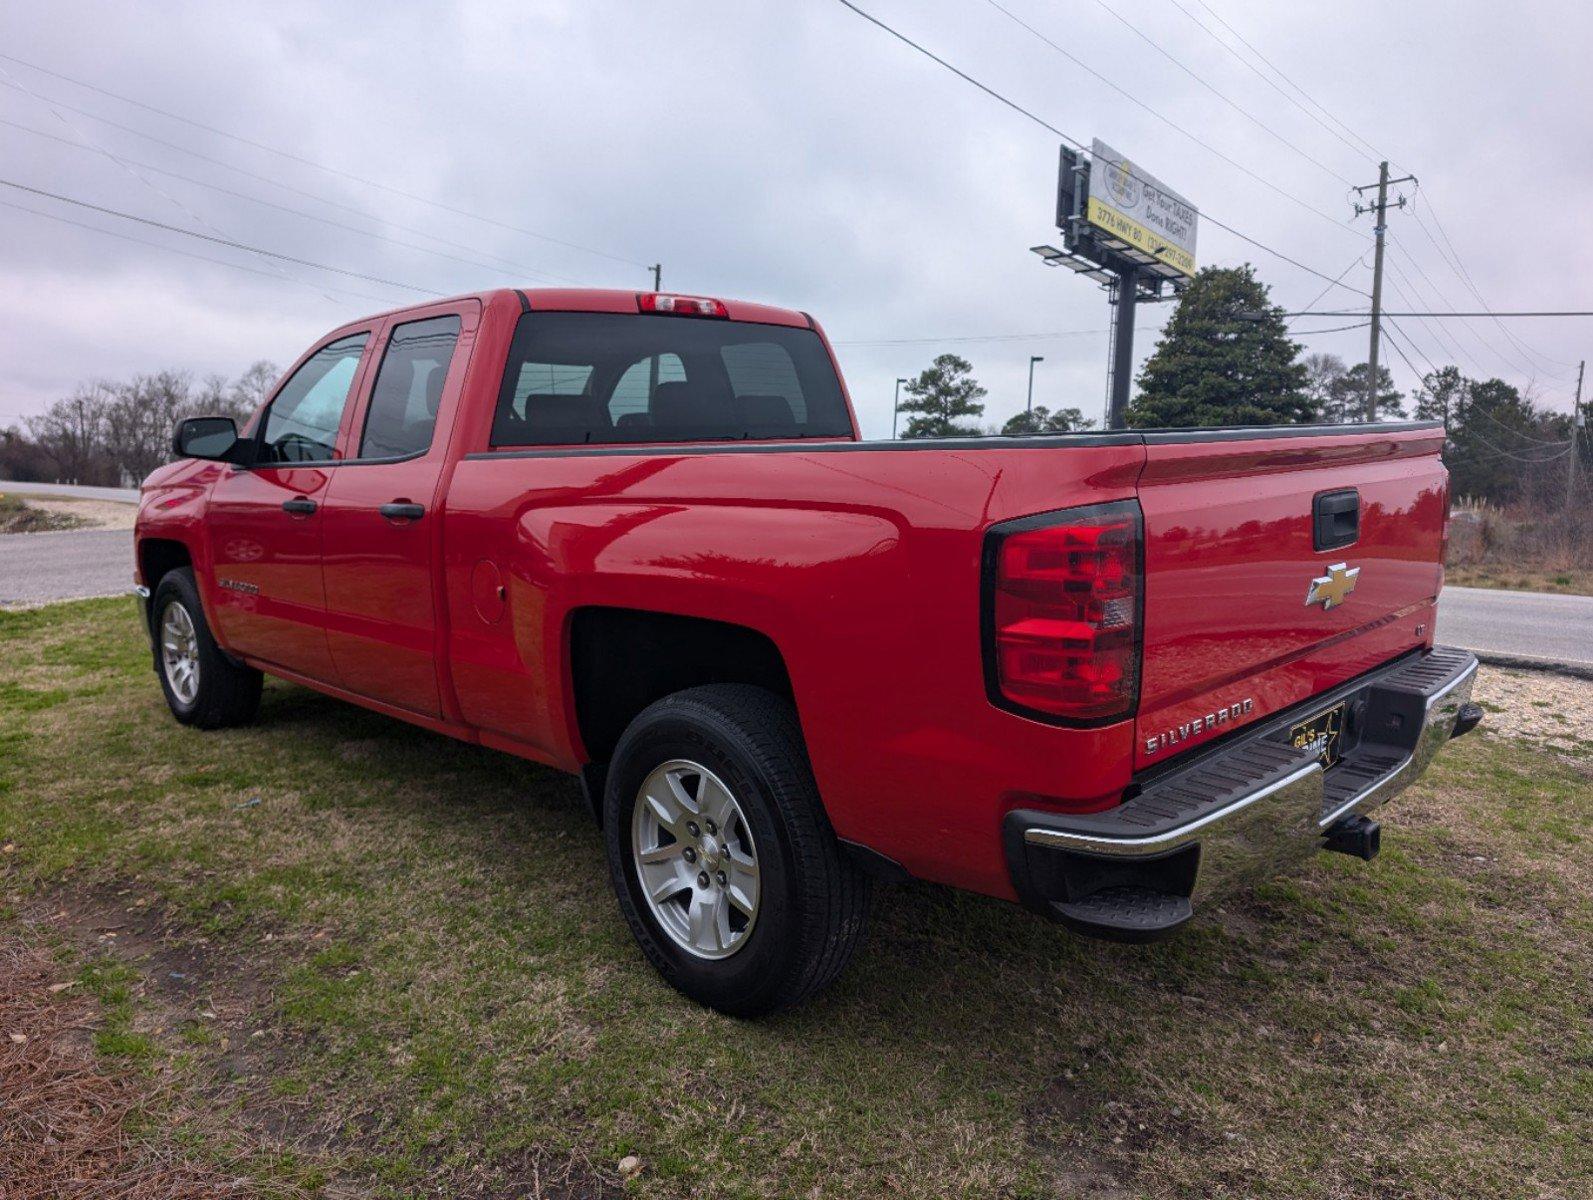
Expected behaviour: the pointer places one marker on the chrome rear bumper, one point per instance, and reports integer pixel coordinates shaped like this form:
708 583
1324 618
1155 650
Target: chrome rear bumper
1250 809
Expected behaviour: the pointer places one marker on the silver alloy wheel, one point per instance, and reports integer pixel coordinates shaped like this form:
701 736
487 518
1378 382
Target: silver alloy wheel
179 652
695 859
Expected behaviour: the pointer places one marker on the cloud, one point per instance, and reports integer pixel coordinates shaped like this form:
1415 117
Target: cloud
788 153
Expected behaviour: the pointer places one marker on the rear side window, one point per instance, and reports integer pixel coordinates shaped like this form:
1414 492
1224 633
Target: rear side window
583 378
301 425
409 384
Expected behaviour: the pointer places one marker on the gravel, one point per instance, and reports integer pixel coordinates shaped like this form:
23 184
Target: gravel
1552 711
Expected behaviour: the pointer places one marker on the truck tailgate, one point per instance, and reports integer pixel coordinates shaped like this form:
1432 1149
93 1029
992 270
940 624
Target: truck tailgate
1233 629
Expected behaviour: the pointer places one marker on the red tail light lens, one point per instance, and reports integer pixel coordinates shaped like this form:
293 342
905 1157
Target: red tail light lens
1062 612
681 306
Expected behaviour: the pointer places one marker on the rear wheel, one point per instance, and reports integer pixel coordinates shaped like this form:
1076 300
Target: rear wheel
725 865
203 686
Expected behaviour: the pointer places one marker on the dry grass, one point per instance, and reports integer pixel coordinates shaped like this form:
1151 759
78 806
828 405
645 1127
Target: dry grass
448 1003
1524 548
70 1127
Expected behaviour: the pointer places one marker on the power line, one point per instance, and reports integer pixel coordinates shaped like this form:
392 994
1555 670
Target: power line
1351 312
1223 96
309 162
286 187
994 337
143 179
1452 258
297 212
1166 120
1071 140
384 300
1454 350
205 237
1459 268
1335 329
1365 147
1431 368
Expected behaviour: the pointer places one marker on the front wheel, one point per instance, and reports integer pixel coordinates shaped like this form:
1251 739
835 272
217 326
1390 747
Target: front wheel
724 862
203 686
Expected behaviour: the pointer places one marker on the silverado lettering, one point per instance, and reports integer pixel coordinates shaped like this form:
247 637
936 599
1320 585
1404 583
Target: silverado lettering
637 538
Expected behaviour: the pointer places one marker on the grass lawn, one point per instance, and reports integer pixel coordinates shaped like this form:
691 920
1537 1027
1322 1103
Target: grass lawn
359 959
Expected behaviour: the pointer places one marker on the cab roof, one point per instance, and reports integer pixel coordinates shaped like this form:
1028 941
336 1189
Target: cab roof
609 300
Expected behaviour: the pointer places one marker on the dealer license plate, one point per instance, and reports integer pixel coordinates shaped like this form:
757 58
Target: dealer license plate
1322 734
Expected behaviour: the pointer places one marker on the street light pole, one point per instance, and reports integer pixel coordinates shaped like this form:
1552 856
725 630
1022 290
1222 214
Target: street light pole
1033 358
896 407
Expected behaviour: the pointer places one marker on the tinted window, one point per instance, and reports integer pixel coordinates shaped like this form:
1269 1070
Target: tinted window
576 378
408 389
301 425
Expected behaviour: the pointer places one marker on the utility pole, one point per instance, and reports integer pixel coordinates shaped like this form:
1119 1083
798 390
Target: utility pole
1123 347
1033 358
896 407
1576 430
1381 208
658 277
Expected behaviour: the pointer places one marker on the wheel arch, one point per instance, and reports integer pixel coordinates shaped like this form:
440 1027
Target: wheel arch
623 659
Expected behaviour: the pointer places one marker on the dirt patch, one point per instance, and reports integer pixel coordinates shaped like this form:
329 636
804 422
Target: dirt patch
17 516
68 1126
88 514
212 1000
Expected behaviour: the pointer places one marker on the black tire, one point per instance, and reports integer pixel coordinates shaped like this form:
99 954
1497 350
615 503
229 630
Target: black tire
227 693
813 903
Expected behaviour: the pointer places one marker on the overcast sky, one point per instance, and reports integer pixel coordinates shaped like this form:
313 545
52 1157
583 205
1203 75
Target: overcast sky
788 152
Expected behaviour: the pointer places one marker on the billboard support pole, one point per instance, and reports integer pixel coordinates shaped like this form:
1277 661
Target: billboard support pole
1123 347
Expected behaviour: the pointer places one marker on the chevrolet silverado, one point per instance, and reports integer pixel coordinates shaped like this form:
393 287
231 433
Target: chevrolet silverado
637 538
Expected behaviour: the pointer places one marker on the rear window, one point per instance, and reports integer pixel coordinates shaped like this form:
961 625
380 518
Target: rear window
579 378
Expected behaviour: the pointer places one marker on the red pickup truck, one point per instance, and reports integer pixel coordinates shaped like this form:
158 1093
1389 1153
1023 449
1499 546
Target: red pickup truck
636 537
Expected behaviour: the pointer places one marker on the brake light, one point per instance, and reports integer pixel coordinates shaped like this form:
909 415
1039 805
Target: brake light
680 306
1062 612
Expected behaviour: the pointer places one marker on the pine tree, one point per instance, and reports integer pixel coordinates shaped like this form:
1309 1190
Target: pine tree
1042 420
946 400
1346 396
1225 358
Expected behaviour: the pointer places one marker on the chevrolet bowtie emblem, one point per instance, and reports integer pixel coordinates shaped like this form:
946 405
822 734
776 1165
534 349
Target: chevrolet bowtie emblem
1332 589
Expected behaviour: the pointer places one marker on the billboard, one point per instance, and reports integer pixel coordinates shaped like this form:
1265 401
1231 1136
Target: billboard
1131 206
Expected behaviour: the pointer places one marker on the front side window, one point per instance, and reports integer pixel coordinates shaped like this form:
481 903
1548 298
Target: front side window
301 425
409 384
585 378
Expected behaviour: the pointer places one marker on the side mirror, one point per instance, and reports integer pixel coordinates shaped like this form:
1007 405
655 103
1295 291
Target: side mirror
207 437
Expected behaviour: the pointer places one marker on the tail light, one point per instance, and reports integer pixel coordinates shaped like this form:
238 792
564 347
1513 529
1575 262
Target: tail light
680 306
1062 613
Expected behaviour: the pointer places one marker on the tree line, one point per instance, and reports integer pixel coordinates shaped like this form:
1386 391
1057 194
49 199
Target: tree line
1225 357
114 433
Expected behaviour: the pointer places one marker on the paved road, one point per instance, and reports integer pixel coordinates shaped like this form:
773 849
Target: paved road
70 491
1528 624
36 567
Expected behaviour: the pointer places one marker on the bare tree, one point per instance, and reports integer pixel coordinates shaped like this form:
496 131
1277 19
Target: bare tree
73 432
250 390
113 433
141 418
1322 374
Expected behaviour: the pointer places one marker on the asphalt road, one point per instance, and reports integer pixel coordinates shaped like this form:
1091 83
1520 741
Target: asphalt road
1526 624
38 567
71 491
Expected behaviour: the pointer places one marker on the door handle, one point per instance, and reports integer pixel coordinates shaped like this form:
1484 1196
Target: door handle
299 506
402 510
